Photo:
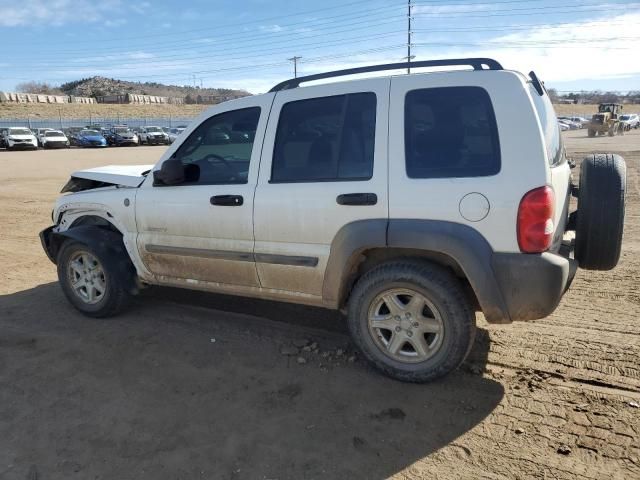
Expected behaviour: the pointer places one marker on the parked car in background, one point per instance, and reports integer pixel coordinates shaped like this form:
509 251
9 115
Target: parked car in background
153 136
121 135
630 120
563 126
174 133
54 139
572 125
20 137
579 120
89 138
39 132
71 132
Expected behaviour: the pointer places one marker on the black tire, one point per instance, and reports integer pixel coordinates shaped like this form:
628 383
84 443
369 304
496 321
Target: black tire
446 294
591 133
600 220
116 296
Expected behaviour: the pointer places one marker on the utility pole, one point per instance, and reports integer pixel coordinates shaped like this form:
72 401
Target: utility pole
295 59
409 56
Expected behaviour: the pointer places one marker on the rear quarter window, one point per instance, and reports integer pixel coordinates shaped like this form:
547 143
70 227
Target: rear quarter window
550 128
450 132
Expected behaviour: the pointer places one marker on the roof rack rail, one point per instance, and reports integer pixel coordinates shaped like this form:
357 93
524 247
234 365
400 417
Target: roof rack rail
476 63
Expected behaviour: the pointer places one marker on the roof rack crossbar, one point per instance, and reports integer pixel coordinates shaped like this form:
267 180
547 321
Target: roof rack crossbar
476 63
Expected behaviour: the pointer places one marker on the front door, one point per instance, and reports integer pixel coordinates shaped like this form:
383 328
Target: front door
202 230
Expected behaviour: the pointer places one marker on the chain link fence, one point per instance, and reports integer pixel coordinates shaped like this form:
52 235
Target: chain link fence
60 123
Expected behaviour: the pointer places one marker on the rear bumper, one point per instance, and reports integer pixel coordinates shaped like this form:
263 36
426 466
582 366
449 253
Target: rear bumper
532 285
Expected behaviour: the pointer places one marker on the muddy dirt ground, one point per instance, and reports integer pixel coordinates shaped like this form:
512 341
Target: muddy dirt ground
189 385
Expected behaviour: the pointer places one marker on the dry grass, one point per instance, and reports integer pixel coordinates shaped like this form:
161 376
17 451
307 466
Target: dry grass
71 111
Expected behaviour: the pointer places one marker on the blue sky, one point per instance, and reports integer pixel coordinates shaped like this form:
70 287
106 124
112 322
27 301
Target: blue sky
572 45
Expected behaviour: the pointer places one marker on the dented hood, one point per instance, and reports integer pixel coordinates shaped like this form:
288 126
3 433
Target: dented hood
120 175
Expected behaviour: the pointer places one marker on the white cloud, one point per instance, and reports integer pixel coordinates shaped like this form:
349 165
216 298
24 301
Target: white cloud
139 7
593 50
54 12
433 9
271 28
139 55
118 22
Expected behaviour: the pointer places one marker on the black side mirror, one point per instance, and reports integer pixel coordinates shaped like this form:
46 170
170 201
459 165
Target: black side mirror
171 173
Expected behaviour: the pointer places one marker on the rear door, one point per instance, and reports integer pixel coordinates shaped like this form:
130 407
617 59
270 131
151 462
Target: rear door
324 165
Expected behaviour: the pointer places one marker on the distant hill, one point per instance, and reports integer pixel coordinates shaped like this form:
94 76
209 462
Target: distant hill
99 86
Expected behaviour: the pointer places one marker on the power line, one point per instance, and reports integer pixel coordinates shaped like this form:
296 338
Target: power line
257 53
287 30
285 36
227 25
502 13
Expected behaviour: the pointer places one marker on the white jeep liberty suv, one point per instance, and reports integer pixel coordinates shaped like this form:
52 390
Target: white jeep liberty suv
409 201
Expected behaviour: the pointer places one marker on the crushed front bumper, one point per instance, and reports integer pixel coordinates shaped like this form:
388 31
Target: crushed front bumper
47 244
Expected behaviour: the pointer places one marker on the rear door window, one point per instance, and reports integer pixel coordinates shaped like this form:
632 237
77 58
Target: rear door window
450 132
325 139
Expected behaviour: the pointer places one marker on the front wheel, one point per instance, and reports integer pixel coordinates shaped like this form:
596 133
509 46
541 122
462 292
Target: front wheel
92 283
411 320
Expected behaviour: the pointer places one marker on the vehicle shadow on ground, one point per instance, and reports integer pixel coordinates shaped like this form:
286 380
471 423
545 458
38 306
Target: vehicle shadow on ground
168 390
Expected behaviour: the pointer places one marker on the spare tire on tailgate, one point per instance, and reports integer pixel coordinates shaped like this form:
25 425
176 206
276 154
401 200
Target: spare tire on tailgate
600 217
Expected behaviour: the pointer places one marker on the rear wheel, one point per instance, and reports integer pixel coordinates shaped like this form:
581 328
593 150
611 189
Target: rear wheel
411 320
601 204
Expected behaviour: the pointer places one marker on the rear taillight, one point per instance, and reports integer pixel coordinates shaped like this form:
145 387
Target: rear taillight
535 220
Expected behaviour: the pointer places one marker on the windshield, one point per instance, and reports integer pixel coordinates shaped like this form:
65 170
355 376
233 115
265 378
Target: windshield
154 129
89 132
625 117
121 130
19 131
53 133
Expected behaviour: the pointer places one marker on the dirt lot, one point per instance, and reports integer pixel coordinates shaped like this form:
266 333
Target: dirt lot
189 385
